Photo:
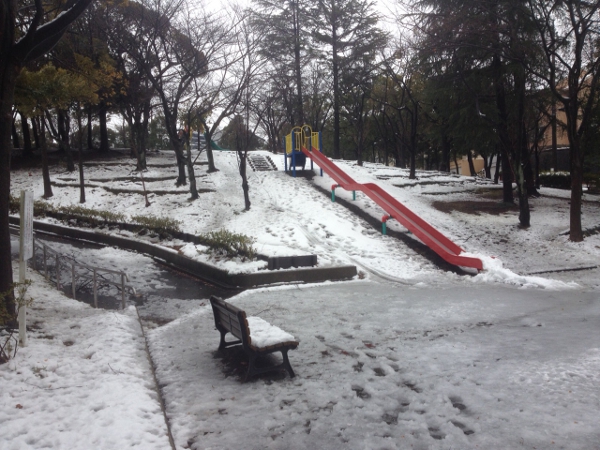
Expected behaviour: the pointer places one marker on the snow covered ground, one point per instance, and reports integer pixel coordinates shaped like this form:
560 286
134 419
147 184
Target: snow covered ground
404 356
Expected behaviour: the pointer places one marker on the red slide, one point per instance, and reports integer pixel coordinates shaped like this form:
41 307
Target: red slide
396 210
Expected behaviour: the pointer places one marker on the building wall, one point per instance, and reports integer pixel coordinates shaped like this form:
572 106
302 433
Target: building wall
562 140
463 166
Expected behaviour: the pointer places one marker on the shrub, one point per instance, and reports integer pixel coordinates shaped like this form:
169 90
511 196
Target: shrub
76 210
229 244
158 224
14 204
558 180
9 343
592 181
40 207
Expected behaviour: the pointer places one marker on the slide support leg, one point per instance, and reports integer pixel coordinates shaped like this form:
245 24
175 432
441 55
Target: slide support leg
384 220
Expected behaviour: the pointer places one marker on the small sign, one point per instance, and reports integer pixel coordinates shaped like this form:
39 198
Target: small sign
26 249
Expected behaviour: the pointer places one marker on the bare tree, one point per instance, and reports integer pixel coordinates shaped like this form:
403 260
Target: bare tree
219 94
569 31
270 113
156 38
248 68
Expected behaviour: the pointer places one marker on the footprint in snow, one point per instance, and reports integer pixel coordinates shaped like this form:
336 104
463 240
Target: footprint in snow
462 427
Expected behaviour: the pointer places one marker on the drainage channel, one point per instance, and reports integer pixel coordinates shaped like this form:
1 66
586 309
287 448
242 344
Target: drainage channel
162 293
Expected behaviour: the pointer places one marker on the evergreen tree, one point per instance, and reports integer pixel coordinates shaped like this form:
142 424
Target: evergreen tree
284 27
237 135
27 34
493 64
345 33
569 33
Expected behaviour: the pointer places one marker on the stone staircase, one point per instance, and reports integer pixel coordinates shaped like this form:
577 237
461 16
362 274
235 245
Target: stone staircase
261 163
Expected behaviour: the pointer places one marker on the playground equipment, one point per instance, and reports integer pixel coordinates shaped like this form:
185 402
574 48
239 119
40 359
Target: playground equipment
304 140
213 144
199 140
299 138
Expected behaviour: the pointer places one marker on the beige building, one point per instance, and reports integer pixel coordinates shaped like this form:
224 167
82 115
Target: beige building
463 166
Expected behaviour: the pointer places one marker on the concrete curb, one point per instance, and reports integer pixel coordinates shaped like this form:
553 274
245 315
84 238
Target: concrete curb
199 269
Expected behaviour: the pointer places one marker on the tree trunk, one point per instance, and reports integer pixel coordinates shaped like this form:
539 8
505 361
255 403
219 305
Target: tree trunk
471 164
36 134
27 149
190 168
137 141
576 161
487 165
445 162
503 133
15 135
143 137
181 177
133 141
359 144
413 143
103 113
528 170
537 168
63 132
298 65
336 95
507 179
8 75
575 227
44 148
209 149
412 174
520 154
90 136
498 160
80 152
243 155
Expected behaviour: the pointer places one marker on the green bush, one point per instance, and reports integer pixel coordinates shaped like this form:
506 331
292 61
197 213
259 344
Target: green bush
40 207
592 181
558 180
9 344
158 224
229 244
13 204
77 210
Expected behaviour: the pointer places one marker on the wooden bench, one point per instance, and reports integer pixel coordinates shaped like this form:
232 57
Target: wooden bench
257 337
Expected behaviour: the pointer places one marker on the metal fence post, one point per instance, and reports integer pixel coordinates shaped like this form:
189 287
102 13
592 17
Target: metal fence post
95 291
57 272
33 257
73 287
123 290
45 263
48 252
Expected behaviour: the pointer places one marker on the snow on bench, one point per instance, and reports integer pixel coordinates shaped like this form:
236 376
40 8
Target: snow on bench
257 336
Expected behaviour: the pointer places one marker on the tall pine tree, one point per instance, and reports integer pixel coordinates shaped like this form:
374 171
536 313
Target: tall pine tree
344 31
284 27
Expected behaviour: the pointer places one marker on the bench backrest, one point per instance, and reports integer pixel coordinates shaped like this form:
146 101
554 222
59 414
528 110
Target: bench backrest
230 318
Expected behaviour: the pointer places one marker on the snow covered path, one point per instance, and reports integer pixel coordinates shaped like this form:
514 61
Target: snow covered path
83 382
382 366
409 357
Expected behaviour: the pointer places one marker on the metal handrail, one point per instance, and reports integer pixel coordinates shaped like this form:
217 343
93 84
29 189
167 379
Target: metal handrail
48 252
